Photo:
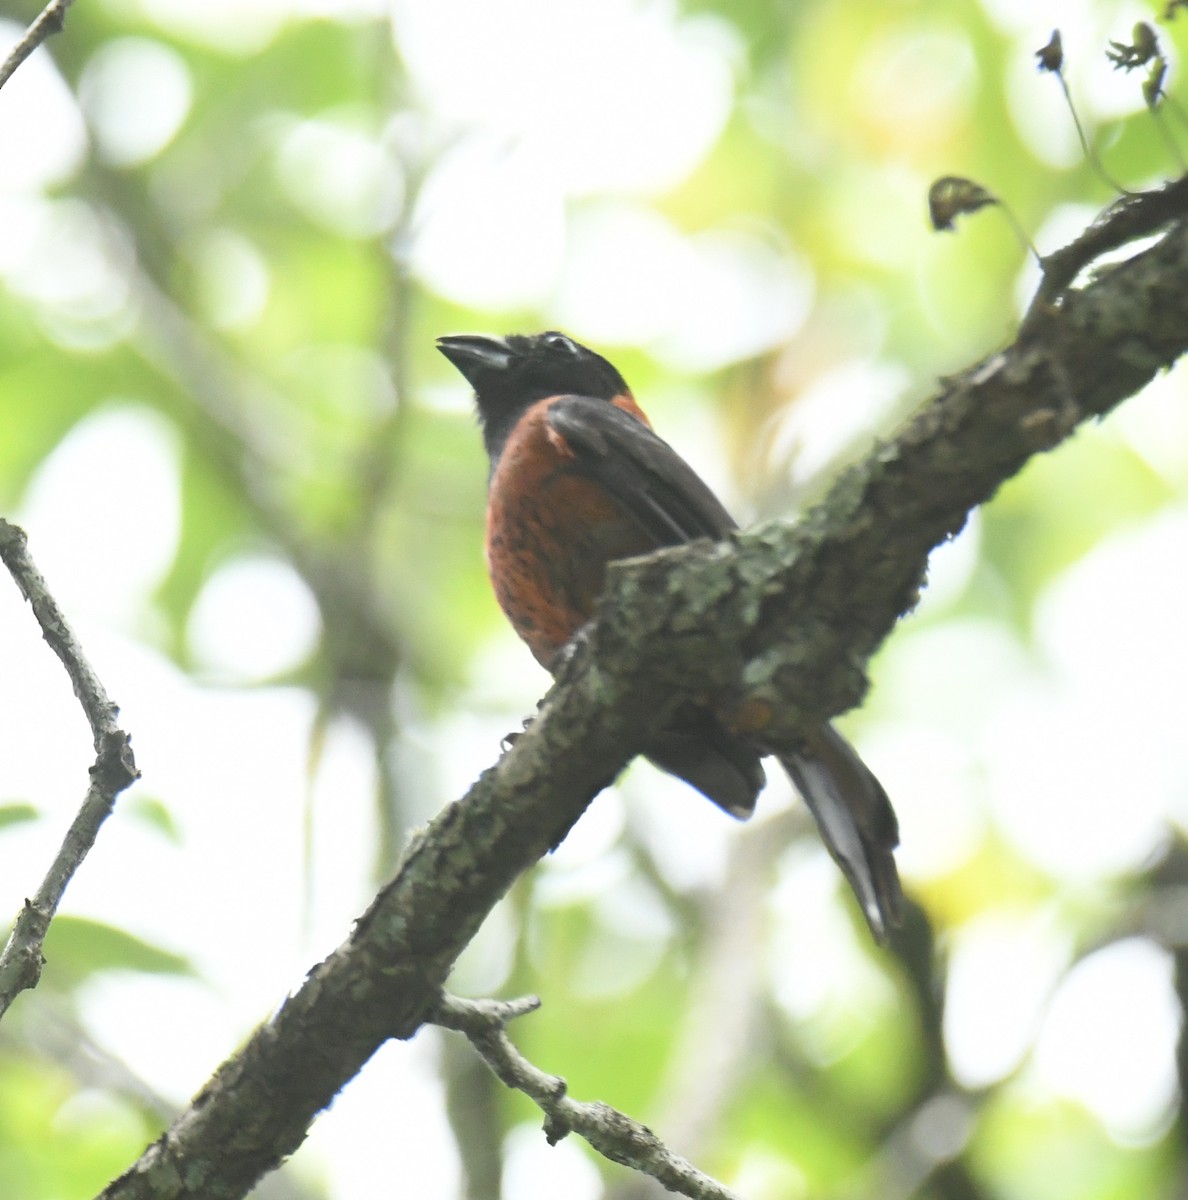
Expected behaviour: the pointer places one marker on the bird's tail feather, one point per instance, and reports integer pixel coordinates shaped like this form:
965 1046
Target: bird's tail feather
856 821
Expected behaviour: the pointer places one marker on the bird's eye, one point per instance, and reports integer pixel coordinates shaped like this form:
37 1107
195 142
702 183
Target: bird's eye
558 341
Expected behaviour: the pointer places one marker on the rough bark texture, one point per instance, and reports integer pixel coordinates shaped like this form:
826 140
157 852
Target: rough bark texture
778 623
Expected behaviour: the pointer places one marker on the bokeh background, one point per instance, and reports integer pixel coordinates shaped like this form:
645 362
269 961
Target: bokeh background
229 233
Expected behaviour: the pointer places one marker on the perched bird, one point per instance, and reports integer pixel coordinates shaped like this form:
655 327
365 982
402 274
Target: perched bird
578 479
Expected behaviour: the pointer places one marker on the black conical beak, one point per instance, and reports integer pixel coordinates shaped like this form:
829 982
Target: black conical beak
477 355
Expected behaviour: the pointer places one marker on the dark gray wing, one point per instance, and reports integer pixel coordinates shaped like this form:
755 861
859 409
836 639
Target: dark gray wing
646 476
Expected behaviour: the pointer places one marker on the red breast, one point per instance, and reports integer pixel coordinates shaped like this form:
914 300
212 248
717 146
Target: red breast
551 533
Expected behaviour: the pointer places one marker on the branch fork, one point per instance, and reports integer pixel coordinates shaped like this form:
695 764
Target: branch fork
612 1133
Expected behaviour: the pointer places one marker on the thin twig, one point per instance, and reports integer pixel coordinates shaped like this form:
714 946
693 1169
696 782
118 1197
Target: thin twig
50 20
113 770
1086 146
612 1133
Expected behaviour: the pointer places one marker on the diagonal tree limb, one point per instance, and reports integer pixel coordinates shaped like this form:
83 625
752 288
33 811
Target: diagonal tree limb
779 621
613 1134
113 770
51 19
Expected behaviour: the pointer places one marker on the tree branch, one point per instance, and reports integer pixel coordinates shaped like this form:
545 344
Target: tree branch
779 622
613 1134
113 770
51 19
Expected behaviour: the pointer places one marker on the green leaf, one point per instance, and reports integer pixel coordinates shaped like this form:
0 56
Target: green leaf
20 812
154 812
77 947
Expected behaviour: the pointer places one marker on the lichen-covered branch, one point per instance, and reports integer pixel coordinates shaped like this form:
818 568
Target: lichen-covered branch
778 623
113 770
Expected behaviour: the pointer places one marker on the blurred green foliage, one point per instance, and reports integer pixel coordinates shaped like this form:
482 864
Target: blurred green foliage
262 293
